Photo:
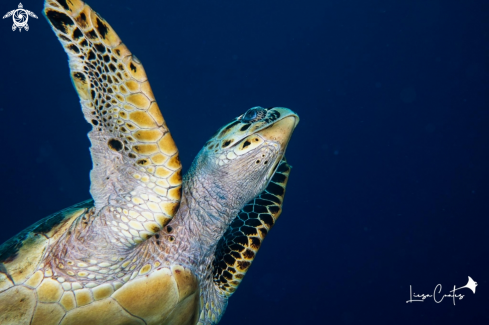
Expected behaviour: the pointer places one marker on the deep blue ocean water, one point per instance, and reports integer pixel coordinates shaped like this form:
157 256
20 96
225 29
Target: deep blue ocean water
390 181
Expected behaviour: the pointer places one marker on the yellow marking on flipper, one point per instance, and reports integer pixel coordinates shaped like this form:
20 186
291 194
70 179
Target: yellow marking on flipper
128 128
47 314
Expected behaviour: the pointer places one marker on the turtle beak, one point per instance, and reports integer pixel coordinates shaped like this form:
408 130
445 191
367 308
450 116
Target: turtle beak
281 131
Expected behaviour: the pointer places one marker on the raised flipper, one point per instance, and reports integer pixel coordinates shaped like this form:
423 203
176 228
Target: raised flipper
239 245
136 175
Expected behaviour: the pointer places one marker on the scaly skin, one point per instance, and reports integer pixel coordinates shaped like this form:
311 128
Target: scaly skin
135 254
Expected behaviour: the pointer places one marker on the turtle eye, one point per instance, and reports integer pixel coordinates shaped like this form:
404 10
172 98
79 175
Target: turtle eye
254 114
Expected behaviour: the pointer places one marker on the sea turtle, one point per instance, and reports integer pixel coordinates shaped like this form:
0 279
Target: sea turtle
20 17
148 248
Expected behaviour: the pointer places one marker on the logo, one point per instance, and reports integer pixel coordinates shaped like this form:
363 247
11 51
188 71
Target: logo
20 17
438 297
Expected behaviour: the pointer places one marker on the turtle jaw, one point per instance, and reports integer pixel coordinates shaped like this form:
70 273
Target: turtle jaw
280 133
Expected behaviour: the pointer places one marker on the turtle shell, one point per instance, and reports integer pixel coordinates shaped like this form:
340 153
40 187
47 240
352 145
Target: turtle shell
29 294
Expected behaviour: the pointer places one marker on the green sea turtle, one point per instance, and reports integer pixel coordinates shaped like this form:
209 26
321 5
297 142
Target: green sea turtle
149 248
20 17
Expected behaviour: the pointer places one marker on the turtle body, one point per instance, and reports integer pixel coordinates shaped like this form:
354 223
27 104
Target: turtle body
149 247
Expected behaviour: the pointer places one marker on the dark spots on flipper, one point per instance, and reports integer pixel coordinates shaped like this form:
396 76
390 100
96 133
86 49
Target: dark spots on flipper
131 155
59 20
115 144
133 67
82 20
253 222
237 223
229 259
248 254
283 168
279 178
112 68
91 55
227 275
248 231
84 43
275 189
118 52
74 48
267 219
95 122
237 247
102 27
259 209
64 4
241 240
99 47
77 33
255 242
248 208
91 35
271 197
262 202
274 209
80 76
243 265
64 38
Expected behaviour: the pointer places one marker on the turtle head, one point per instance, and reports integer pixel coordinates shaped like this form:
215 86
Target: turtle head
238 161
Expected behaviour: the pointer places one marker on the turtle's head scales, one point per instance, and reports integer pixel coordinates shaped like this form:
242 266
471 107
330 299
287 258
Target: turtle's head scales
242 155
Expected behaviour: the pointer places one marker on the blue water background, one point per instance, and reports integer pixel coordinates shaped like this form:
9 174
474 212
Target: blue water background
389 186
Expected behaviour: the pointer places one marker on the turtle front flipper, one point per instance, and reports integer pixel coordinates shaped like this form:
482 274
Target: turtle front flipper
239 245
136 169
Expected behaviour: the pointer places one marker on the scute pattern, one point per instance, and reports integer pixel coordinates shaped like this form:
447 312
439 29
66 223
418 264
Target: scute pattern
240 243
132 147
156 298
